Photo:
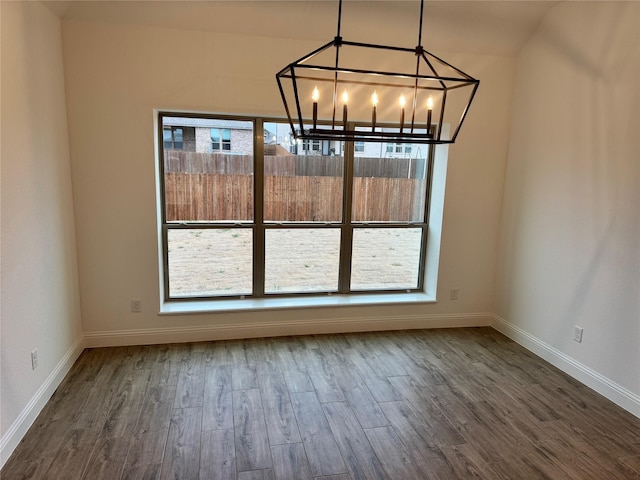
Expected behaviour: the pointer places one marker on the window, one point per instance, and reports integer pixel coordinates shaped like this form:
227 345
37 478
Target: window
311 145
220 139
172 137
398 149
359 146
282 224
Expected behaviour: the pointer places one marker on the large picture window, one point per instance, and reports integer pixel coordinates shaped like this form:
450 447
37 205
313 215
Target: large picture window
273 219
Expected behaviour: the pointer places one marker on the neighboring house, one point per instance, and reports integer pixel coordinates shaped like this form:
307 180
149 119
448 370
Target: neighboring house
361 149
389 150
222 136
208 136
227 136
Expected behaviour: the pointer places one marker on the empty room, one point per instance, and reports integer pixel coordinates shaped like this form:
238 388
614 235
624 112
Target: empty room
324 240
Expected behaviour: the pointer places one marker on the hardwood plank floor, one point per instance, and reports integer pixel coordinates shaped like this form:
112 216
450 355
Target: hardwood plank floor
449 404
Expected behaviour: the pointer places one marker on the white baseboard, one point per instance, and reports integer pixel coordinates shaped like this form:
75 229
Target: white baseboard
598 382
255 330
18 429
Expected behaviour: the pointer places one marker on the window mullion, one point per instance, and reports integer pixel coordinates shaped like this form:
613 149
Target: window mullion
258 209
346 239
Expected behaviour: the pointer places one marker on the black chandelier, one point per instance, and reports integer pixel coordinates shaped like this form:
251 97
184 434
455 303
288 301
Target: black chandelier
401 100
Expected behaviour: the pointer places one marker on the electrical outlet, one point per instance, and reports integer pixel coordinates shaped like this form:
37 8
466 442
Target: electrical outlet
453 294
34 359
136 305
577 334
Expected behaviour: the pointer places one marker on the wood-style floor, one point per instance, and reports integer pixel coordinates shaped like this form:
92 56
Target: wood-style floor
428 404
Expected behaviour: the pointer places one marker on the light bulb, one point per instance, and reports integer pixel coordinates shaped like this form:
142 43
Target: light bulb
430 103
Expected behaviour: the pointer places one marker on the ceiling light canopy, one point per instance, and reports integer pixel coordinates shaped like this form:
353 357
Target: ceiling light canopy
356 91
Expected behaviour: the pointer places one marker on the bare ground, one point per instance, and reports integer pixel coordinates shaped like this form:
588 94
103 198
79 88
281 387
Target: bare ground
204 262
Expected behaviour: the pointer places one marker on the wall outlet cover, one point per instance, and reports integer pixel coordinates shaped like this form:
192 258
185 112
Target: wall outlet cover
577 334
34 359
136 305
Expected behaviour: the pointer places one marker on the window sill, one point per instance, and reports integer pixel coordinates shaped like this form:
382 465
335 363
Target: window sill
194 307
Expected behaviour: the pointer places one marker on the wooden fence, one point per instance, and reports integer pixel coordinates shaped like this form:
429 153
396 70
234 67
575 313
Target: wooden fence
215 197
177 161
208 197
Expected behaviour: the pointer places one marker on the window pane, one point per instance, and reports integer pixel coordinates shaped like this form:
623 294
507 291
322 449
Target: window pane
387 189
301 260
167 137
300 185
215 139
201 186
226 139
177 138
385 258
210 262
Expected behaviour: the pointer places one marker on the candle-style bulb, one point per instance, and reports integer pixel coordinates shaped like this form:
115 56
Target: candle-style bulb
314 96
345 99
403 101
429 110
374 103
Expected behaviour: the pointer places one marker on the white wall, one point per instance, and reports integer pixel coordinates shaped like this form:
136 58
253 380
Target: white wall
117 74
40 306
570 249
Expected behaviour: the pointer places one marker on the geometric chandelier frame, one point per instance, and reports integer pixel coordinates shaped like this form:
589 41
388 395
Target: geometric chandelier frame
410 96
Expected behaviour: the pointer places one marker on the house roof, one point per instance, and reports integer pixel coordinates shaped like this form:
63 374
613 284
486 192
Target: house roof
207 123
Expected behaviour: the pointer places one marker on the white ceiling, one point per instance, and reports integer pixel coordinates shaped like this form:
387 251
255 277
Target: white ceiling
485 27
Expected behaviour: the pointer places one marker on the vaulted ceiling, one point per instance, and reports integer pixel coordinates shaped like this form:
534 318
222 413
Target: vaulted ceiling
485 27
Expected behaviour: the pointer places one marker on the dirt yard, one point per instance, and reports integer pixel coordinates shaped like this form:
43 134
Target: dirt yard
218 261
